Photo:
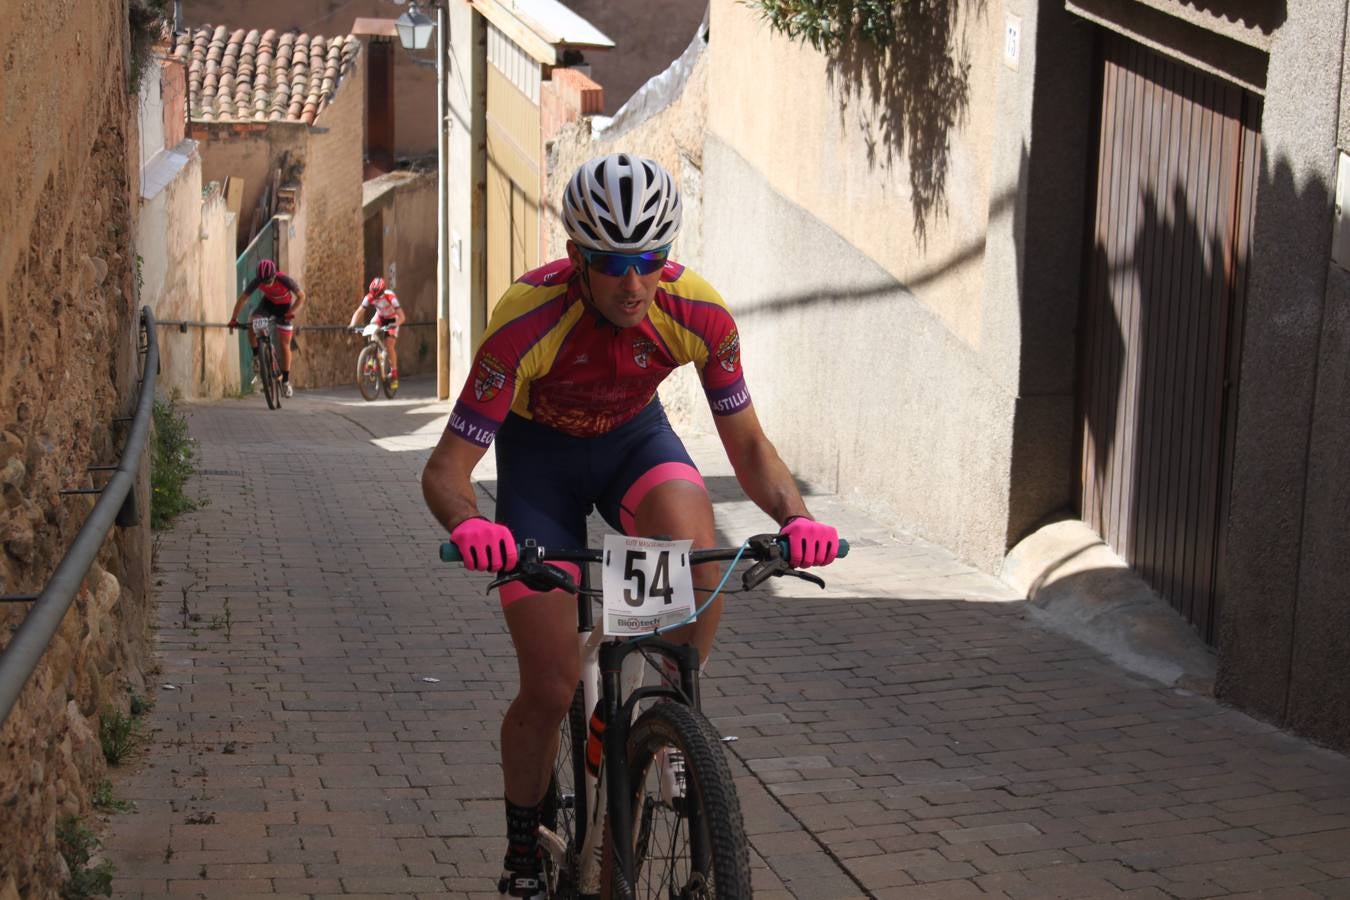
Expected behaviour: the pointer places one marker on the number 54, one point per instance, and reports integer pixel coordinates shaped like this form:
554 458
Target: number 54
660 586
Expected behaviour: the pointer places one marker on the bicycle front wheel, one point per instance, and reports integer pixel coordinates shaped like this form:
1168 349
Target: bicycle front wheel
688 836
565 804
267 373
368 372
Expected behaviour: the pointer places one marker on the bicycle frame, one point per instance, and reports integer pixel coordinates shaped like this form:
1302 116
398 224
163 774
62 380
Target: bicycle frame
613 670
612 673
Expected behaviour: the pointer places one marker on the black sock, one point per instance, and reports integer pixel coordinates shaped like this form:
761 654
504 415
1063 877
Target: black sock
285 376
522 837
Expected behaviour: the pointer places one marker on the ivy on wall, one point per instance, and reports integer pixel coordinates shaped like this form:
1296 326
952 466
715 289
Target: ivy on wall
824 24
907 62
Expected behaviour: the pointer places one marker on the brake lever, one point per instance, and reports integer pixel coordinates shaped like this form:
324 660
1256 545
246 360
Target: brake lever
805 576
537 576
773 564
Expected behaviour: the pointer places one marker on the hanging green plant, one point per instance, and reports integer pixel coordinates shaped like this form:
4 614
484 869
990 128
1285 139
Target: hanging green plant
824 24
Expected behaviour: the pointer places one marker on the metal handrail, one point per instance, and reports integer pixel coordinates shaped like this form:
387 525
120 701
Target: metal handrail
24 652
184 324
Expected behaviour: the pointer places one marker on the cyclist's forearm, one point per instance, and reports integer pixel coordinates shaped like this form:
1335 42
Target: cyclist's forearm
759 469
446 481
766 480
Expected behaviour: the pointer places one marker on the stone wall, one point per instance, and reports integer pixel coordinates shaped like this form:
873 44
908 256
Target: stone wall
66 374
330 223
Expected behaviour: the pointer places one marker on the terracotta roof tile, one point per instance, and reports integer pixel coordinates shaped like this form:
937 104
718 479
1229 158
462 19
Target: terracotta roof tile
248 76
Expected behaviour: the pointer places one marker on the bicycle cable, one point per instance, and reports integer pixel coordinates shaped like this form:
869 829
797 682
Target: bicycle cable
706 603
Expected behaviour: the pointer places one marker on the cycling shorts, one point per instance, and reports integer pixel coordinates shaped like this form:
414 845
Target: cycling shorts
282 312
391 322
548 481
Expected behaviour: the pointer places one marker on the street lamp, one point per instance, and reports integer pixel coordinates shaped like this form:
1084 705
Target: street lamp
414 29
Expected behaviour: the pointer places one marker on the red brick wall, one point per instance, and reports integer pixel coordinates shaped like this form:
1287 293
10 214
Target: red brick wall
568 96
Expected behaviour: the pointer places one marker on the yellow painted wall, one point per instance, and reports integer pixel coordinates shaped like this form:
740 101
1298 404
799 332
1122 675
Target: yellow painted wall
513 184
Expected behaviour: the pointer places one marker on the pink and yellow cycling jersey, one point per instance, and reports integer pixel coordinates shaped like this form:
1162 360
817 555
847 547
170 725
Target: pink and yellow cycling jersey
385 304
548 357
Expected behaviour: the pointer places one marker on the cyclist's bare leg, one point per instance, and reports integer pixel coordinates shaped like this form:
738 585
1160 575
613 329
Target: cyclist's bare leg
544 630
284 349
393 354
682 511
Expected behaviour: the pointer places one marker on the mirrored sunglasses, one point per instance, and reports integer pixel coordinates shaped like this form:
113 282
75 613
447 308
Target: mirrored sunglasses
618 264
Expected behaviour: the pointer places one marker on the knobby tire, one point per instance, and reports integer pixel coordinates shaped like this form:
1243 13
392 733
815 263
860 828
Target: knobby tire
267 372
368 372
663 863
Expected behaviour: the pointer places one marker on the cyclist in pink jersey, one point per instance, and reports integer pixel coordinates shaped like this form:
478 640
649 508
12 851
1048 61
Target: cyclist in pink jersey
281 298
387 312
564 381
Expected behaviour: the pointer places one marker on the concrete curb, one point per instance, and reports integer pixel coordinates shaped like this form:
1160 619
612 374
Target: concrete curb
1076 585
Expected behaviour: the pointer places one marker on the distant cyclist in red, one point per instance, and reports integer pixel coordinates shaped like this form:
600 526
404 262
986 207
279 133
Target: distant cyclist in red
387 312
282 298
564 381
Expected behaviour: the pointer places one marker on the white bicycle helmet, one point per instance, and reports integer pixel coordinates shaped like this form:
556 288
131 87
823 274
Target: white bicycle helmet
621 204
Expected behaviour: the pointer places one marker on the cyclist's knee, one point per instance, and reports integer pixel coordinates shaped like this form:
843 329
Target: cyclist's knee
549 695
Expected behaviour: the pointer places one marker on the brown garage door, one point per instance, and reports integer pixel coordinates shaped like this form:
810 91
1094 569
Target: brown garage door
1177 166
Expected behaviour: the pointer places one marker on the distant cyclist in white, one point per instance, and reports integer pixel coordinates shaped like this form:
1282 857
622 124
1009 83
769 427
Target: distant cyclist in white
387 312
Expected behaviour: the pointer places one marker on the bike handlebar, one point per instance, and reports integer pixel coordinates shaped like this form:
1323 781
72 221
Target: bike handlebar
450 553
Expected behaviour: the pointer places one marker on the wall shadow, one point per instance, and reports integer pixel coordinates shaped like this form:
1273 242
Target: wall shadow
910 97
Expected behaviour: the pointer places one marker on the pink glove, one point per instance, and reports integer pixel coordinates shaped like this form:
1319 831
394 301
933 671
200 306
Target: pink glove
485 546
809 542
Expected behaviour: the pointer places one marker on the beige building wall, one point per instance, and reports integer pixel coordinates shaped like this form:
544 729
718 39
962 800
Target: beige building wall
218 353
824 147
879 357
185 251
466 87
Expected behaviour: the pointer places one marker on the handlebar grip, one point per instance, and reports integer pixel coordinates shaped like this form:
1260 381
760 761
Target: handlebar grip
843 548
450 553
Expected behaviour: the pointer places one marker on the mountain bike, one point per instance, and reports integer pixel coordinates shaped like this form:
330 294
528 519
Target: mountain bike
372 365
265 354
642 803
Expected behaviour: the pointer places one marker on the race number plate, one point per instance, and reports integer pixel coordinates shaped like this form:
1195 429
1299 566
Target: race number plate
260 324
647 584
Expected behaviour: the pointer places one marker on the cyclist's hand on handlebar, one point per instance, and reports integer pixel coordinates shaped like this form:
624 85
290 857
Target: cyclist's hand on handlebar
485 546
810 543
232 325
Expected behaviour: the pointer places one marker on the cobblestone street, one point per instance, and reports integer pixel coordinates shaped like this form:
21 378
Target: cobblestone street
325 720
